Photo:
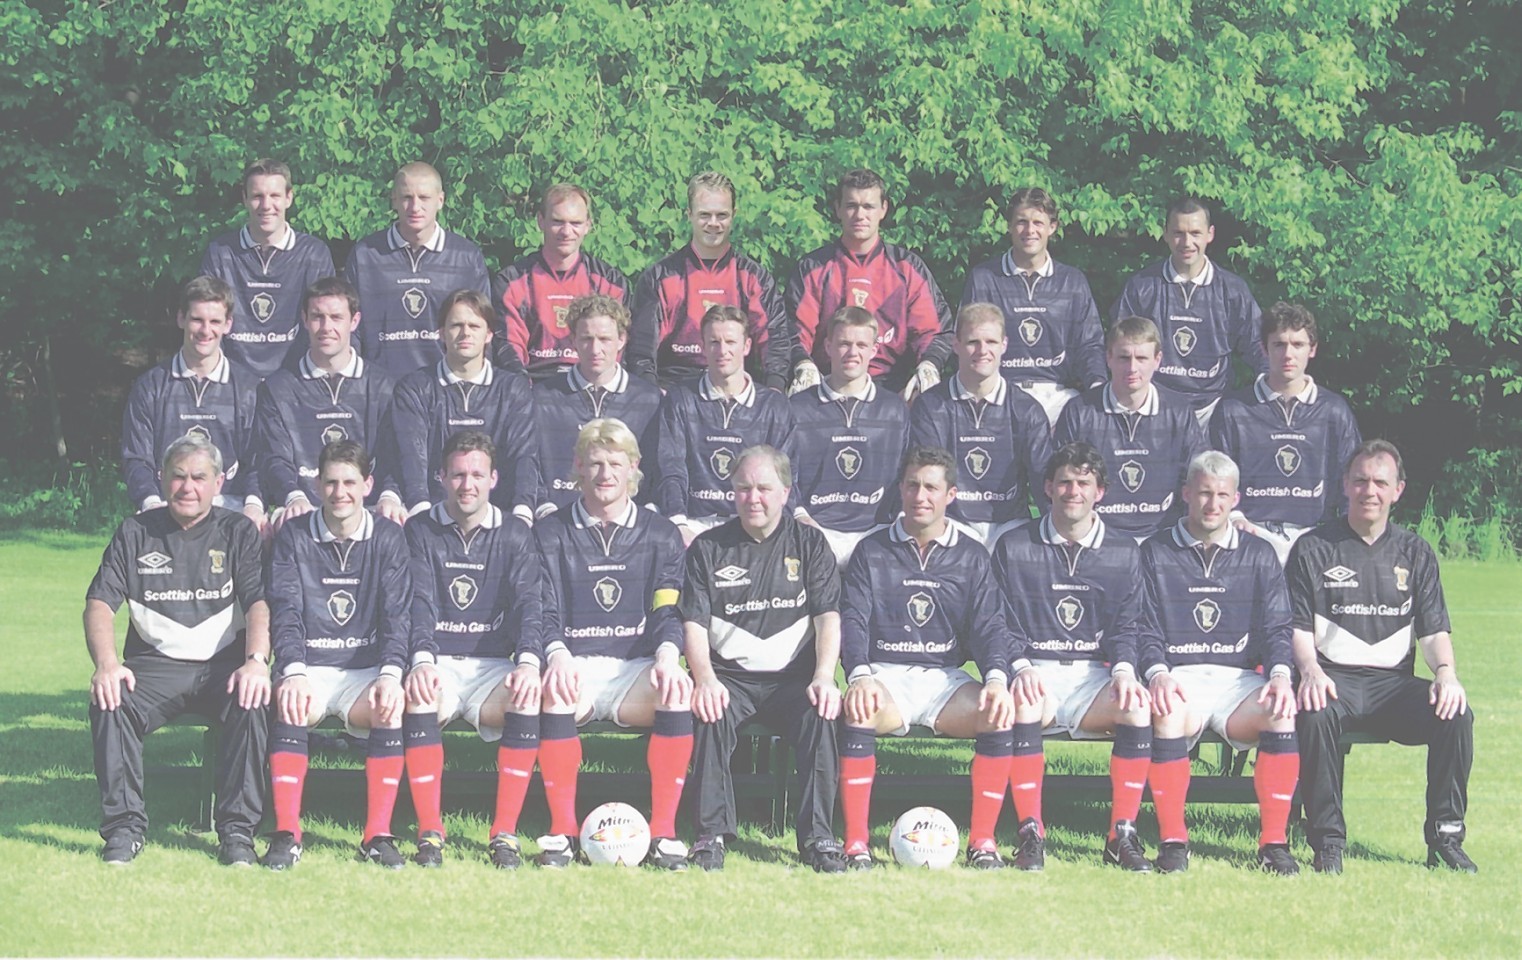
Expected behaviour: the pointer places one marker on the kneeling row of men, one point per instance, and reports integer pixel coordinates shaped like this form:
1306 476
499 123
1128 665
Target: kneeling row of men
399 632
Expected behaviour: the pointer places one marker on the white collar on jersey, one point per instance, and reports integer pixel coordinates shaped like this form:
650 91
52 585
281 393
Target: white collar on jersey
322 534
1205 278
492 519
1010 270
1150 407
447 376
309 371
221 373
1266 394
435 243
1092 540
708 391
579 383
948 537
288 242
582 519
1184 538
959 392
826 394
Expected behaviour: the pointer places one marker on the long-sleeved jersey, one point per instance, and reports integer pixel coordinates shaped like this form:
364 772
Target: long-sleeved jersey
913 320
1291 451
167 403
340 603
610 590
474 594
564 404
939 609
665 336
431 404
701 435
400 288
1201 321
301 411
845 472
534 300
1147 454
1225 604
1049 317
1002 444
1072 601
267 283
186 590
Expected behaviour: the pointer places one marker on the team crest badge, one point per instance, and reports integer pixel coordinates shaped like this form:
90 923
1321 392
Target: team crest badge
1402 578
1287 459
1030 331
921 608
334 433
463 590
1184 340
848 462
199 431
218 560
414 301
1132 475
262 306
978 461
1069 612
560 315
793 566
721 461
607 592
1207 613
341 606
859 296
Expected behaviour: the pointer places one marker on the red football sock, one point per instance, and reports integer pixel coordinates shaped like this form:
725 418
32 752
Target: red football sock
668 755
559 764
425 769
1169 777
990 778
515 767
1027 771
858 768
383 778
288 774
1130 758
1274 777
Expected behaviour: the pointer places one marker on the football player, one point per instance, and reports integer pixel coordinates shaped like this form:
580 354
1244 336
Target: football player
1050 320
339 592
1223 661
850 437
1147 433
535 293
919 600
612 576
860 269
665 339
405 271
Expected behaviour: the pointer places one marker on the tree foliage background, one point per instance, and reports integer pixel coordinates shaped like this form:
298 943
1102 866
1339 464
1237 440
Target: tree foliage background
1363 155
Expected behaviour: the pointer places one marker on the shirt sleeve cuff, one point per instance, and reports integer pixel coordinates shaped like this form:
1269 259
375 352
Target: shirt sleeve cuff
996 676
151 503
418 508
529 660
799 513
544 510
524 513
293 669
1020 666
1156 670
1120 670
294 496
667 645
391 495
860 673
678 518
253 501
391 670
424 656
554 647
1280 670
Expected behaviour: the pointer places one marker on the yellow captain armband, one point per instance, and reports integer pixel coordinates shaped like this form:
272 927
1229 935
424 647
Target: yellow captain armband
664 598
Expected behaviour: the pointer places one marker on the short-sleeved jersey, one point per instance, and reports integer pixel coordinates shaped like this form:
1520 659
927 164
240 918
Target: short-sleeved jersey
1291 451
1001 444
757 599
475 594
268 281
845 470
186 590
1049 317
534 299
400 289
700 437
168 402
1146 453
301 411
431 404
610 589
891 282
665 335
1070 601
1201 321
1224 604
340 603
941 608
1366 604
564 404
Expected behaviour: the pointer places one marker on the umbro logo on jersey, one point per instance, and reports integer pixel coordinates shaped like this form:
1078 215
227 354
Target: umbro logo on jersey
155 563
1030 331
333 433
848 462
1132 475
262 306
463 591
1069 612
1287 459
414 301
1184 340
921 608
1241 645
978 461
732 576
722 461
1340 576
341 606
608 592
1207 613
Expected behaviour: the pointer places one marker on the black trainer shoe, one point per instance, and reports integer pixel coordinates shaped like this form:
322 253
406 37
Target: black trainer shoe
1031 853
984 859
666 853
707 854
284 852
236 850
121 847
860 860
556 851
1275 858
504 853
1172 857
1328 859
1125 850
430 850
825 856
381 851
1448 851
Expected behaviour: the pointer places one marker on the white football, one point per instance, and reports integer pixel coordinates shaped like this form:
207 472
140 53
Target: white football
924 837
615 833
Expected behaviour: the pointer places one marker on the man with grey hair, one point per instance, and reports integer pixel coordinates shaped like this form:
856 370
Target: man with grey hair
761 623
198 641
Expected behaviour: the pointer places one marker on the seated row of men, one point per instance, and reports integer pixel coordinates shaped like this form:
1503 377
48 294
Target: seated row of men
1071 629
844 435
403 274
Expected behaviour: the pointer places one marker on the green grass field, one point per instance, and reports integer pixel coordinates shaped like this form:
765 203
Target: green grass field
58 899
